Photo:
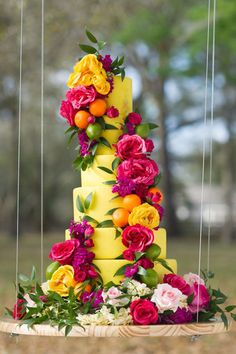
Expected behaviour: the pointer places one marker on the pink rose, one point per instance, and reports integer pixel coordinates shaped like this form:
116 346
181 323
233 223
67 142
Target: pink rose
200 302
168 298
19 309
134 118
113 297
143 312
68 112
137 238
128 255
81 96
140 171
177 282
112 112
192 278
131 146
149 145
62 252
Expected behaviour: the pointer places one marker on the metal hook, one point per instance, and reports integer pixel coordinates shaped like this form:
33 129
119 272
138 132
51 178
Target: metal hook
195 338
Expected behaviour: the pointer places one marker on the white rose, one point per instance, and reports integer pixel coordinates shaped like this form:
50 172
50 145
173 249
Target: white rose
167 298
45 287
30 302
192 278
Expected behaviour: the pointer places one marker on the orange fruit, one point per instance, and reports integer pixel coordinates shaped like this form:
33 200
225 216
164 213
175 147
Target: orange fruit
155 190
98 107
79 288
81 119
120 217
130 201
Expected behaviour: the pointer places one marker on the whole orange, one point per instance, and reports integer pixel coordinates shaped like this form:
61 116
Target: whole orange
120 217
130 201
81 119
155 190
98 107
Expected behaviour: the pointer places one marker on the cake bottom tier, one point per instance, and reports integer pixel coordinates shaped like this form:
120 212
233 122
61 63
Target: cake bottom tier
108 267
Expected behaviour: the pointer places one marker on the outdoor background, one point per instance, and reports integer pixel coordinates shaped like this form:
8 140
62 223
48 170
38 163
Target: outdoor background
164 43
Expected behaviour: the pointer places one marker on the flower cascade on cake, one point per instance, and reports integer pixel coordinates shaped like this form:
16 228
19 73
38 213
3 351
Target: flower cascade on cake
145 290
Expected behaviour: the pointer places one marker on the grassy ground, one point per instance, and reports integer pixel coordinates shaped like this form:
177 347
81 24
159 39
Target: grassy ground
223 263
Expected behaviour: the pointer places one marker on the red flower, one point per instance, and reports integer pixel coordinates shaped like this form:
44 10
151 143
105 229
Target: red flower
137 238
149 145
134 118
68 112
140 171
112 112
131 146
201 301
62 252
81 96
176 281
143 312
145 263
19 309
128 255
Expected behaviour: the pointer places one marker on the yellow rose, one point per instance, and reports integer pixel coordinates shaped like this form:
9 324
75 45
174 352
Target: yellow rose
62 279
101 84
146 215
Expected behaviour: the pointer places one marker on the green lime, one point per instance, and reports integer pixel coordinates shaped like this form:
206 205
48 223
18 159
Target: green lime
153 252
51 269
94 131
143 130
150 278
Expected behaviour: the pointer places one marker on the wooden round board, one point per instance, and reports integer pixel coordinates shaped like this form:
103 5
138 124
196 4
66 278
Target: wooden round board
190 329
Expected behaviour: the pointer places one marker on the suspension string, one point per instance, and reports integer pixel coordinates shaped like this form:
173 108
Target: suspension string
42 147
203 155
211 135
19 145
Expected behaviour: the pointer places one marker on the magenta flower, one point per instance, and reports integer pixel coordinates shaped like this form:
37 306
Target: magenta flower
84 143
149 145
178 317
112 112
106 62
81 96
124 186
201 301
68 112
134 118
82 256
130 271
130 128
131 146
95 297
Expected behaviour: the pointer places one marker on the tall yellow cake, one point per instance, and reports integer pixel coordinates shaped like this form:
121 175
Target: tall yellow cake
107 247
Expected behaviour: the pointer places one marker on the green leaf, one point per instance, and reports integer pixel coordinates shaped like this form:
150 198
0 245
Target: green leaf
138 255
79 204
225 320
108 285
190 299
230 308
121 60
111 211
102 122
61 325
68 330
24 278
8 312
115 62
110 127
105 169
142 271
233 315
70 138
157 179
90 219
118 233
109 183
106 223
94 149
88 48
115 163
33 274
39 290
104 141
88 201
153 126
122 74
101 45
115 197
165 264
70 129
91 37
121 270
96 267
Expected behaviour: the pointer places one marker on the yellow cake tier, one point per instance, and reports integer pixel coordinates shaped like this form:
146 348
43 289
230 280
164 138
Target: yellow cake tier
94 176
120 98
112 137
101 202
109 267
106 246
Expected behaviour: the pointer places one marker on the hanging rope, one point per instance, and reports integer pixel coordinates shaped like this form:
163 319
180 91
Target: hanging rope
19 144
42 147
204 144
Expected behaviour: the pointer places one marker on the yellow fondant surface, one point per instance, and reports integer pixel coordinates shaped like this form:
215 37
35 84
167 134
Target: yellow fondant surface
107 247
112 137
101 202
94 176
120 98
109 267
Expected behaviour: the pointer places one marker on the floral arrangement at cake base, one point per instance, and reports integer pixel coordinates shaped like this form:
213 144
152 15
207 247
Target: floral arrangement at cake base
114 154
